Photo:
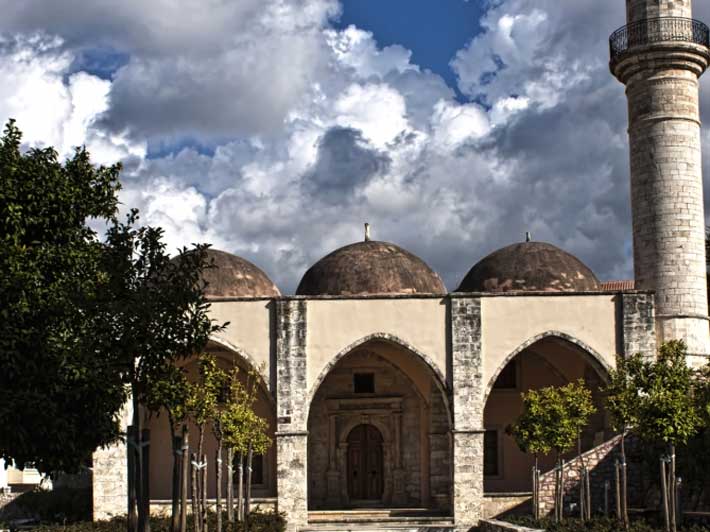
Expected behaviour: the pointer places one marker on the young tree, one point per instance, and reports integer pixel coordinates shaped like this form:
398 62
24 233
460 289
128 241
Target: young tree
59 401
529 432
668 413
169 392
623 403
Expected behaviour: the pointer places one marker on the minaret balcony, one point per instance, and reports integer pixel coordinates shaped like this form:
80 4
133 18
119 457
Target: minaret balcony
651 31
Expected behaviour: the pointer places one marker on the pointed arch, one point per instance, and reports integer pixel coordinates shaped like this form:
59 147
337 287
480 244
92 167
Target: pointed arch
592 356
439 378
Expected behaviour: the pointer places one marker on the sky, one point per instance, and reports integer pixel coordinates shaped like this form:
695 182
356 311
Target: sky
273 129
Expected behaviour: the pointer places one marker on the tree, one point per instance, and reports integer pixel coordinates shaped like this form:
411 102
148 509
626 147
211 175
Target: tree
59 398
623 405
668 413
169 392
529 432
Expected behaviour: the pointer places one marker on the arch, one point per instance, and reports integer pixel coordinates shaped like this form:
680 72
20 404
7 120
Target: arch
589 353
439 378
350 426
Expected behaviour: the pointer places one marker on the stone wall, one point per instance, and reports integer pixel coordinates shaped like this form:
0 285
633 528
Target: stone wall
638 324
642 9
600 462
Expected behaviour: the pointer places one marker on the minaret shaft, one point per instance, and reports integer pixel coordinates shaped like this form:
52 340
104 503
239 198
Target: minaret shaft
660 66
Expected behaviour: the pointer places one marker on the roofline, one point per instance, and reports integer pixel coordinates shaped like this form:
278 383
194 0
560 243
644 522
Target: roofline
451 295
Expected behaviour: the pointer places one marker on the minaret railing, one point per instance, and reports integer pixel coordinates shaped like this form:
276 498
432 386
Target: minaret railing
656 30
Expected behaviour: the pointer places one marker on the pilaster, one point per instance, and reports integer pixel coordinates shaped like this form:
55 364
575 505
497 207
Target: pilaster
291 411
467 387
639 323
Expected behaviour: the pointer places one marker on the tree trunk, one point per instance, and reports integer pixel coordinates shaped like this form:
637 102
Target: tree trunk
195 501
582 485
534 492
185 472
624 484
145 479
175 490
664 495
588 489
138 470
617 491
240 487
247 501
204 493
230 485
132 464
218 493
672 491
562 490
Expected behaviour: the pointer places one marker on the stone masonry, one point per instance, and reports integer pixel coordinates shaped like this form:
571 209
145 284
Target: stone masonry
110 476
467 386
291 412
639 324
661 77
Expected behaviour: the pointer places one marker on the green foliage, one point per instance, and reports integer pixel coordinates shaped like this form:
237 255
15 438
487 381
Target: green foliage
622 392
58 399
553 417
667 409
169 390
258 522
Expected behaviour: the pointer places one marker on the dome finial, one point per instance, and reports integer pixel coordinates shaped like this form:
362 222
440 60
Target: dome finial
528 236
367 232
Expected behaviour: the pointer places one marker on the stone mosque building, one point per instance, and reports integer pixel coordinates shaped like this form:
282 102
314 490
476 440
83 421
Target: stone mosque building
382 390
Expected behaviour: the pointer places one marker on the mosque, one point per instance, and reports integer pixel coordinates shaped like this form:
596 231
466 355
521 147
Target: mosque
383 390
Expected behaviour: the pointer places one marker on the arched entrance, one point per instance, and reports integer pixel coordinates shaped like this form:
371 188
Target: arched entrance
548 361
379 432
365 464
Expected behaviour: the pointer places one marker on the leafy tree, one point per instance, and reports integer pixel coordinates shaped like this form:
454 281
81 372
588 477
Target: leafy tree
529 432
668 412
169 392
623 405
59 395
151 313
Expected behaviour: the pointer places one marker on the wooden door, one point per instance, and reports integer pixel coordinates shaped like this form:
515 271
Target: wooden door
365 463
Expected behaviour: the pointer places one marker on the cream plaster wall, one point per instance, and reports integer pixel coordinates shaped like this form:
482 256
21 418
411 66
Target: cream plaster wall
333 325
249 328
509 322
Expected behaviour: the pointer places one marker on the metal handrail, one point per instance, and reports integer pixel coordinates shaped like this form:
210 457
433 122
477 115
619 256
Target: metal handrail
654 30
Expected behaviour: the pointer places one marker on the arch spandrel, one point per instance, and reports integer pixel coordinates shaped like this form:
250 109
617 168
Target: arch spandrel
261 368
508 322
433 369
602 364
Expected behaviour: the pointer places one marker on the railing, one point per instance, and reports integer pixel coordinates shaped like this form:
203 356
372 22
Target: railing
653 30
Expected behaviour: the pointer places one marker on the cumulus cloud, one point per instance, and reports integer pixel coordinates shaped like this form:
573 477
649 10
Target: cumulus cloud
284 134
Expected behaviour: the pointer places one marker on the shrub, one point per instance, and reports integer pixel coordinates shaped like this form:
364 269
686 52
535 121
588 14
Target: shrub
61 505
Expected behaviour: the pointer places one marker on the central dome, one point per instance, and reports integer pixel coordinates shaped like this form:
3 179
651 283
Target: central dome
530 266
370 267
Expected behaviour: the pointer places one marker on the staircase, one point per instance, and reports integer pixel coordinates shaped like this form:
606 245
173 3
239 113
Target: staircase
378 520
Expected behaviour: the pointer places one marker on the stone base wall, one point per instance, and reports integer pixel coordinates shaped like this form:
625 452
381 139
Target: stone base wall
110 482
491 525
600 462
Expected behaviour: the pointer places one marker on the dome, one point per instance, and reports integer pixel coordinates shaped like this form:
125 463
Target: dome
529 266
370 267
234 276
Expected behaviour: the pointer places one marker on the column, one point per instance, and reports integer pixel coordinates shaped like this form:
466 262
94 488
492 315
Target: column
467 384
291 411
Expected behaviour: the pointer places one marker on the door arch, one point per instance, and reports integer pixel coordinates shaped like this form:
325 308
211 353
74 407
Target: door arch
365 463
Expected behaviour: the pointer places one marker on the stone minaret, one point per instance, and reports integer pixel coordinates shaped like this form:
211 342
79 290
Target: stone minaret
659 56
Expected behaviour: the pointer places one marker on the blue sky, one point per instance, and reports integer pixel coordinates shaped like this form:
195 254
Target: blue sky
434 30
273 129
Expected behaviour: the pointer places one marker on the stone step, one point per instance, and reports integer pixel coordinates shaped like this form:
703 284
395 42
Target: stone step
378 526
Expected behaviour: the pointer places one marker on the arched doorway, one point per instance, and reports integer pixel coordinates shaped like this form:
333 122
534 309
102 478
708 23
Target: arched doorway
365 464
549 361
379 432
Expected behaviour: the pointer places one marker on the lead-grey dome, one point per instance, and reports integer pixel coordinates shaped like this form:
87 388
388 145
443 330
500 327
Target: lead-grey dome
529 266
370 267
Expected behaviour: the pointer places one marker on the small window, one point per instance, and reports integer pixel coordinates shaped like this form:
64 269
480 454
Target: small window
491 467
364 383
508 378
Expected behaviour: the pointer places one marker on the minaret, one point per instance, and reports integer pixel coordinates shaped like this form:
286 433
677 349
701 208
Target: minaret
659 56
